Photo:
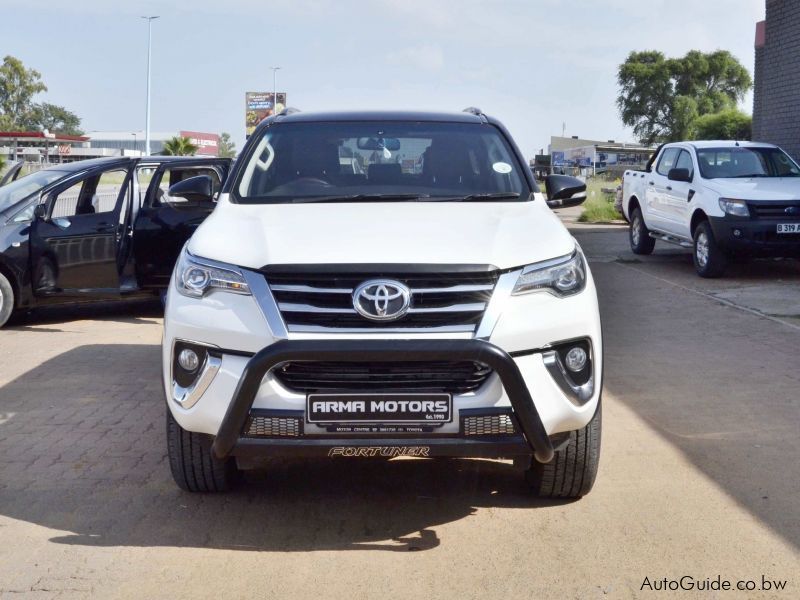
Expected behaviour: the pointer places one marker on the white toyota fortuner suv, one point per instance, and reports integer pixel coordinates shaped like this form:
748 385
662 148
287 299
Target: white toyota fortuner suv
383 285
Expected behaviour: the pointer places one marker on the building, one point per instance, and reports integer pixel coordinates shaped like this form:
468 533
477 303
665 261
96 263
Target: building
42 147
776 96
577 156
133 142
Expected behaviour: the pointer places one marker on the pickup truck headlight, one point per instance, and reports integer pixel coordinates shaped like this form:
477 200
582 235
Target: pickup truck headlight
737 208
195 277
562 277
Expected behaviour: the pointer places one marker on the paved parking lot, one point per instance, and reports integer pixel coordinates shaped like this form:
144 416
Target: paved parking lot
700 467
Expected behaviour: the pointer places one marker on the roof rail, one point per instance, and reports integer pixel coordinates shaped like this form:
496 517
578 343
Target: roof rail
473 111
288 111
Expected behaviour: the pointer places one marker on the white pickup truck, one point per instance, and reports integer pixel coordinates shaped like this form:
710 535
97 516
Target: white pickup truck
723 199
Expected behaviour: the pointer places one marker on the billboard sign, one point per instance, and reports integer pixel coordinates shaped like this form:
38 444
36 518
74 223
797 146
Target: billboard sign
260 105
207 143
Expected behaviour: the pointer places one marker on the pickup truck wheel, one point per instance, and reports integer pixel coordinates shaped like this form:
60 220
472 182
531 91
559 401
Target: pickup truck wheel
193 466
6 300
572 471
641 242
709 259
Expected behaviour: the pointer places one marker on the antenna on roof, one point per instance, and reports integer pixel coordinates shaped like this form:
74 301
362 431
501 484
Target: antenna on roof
288 111
737 143
473 111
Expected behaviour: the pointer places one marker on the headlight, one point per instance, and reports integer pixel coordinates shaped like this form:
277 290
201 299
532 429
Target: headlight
737 208
195 277
563 276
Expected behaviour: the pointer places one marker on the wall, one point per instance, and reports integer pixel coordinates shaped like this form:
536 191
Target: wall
776 97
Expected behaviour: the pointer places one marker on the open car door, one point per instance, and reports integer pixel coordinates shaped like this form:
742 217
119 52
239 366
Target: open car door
76 234
164 223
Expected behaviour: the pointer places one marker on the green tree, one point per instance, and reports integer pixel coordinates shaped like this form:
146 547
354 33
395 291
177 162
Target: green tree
227 147
729 124
179 146
53 118
18 86
661 98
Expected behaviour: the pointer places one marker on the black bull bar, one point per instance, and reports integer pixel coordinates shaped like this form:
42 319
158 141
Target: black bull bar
383 350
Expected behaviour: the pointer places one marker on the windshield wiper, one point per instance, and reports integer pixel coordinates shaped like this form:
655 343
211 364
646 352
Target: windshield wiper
478 197
750 175
361 197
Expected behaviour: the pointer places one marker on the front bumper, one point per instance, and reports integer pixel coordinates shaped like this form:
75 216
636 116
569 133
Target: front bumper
754 237
231 441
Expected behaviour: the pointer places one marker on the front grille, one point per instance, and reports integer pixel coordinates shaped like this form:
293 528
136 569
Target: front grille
454 377
775 210
268 426
447 301
501 424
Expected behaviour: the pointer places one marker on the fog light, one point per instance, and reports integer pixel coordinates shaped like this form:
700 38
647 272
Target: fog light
737 233
188 360
576 359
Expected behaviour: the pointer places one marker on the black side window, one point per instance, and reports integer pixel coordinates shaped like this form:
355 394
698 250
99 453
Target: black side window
667 161
91 196
685 162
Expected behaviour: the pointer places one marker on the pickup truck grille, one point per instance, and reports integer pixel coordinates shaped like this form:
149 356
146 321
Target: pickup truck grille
455 377
775 210
452 302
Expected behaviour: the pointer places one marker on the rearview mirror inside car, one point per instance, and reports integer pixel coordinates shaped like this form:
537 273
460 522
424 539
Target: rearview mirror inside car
378 143
563 190
40 212
195 189
679 175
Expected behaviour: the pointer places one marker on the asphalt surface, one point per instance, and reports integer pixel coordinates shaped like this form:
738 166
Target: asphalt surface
699 476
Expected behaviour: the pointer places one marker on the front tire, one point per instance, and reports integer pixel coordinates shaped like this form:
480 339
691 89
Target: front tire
639 234
6 300
193 466
709 259
572 472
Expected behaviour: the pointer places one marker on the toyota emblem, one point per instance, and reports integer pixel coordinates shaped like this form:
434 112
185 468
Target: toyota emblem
382 299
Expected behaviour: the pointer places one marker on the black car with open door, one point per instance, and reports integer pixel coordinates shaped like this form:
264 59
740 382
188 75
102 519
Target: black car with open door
100 229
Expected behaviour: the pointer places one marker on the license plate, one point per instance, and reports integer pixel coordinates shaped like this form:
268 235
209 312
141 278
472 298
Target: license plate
788 227
379 408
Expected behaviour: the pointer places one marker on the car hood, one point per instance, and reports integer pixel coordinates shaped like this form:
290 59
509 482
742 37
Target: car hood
503 234
757 188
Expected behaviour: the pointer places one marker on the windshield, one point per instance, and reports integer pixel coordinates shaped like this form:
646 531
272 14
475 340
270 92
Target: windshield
738 162
30 184
376 161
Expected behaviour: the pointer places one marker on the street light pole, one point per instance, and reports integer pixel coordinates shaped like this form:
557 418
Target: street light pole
147 114
134 142
274 89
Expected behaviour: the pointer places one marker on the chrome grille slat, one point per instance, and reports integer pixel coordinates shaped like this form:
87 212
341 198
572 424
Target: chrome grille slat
309 289
441 302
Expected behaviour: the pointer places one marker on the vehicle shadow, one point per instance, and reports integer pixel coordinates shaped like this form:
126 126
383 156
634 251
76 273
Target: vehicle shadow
127 311
82 450
716 382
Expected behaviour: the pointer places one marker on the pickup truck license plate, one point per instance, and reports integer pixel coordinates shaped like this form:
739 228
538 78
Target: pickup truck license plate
788 227
379 408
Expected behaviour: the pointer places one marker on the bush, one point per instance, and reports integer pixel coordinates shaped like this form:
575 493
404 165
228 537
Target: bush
731 124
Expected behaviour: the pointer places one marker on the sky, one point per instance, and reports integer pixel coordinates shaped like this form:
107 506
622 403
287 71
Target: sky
537 65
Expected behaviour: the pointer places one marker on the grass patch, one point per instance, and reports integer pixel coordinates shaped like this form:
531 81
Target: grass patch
599 205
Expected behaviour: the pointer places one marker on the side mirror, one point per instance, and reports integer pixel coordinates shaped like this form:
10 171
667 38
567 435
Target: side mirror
563 190
679 175
199 188
40 212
